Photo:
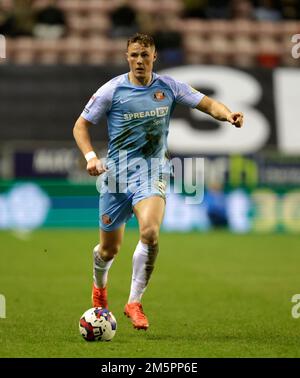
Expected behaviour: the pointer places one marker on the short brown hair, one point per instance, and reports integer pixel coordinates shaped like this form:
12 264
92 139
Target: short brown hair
143 39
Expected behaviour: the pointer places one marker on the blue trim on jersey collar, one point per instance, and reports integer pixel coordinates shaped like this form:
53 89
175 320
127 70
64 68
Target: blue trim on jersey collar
154 77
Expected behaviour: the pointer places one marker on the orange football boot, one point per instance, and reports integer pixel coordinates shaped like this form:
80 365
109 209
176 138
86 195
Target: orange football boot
134 311
99 297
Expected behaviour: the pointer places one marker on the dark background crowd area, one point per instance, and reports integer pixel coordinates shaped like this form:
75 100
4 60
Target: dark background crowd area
237 32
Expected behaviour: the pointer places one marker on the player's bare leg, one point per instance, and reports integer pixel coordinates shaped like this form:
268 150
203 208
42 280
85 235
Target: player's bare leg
104 253
149 213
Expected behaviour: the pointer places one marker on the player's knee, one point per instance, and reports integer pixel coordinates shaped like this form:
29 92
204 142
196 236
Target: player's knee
108 252
149 234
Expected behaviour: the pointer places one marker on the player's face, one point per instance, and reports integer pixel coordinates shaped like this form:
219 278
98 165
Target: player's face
141 59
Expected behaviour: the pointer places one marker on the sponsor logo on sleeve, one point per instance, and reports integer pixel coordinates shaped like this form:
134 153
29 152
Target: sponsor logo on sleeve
90 103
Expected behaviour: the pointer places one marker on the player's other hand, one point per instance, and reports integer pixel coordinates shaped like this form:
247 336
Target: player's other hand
95 167
236 119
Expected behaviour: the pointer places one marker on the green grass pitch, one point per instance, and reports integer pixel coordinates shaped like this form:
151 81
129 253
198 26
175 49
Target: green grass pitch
211 295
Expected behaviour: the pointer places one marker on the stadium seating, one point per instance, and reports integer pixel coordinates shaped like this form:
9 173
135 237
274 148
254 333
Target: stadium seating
235 42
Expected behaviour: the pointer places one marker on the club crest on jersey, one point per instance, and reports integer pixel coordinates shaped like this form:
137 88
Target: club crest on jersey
159 96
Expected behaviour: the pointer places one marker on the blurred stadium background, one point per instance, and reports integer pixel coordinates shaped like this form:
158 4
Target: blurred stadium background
243 53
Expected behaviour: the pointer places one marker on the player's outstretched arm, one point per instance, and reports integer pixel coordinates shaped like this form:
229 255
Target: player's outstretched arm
81 134
220 112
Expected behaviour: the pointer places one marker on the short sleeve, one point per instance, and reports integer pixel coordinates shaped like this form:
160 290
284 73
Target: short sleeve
184 94
99 104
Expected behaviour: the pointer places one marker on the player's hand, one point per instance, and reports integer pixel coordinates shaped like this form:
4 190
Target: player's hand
95 167
236 119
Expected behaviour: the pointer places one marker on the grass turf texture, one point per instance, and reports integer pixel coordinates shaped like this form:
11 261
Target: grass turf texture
211 295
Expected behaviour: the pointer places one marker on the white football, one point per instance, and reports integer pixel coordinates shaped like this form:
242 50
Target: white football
97 324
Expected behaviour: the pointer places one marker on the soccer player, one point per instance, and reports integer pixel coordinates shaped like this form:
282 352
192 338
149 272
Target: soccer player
138 106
